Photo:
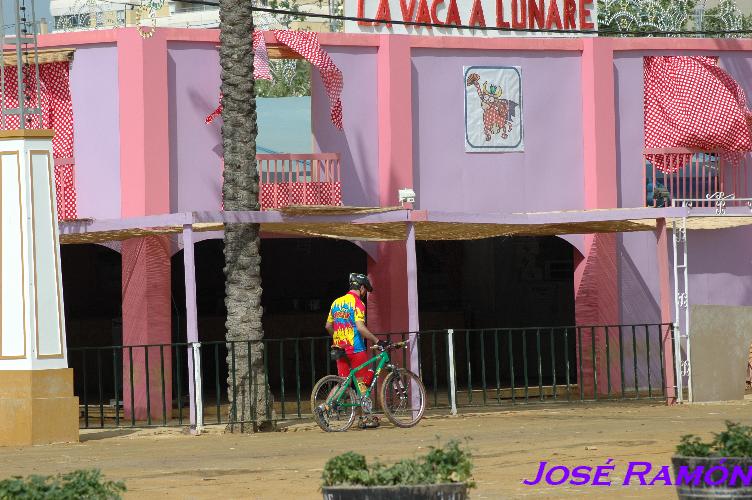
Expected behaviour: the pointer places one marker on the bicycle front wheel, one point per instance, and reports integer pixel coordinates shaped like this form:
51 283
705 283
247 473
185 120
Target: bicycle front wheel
403 398
332 416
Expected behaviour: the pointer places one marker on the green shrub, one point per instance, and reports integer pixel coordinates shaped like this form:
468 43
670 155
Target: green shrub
348 468
448 464
80 484
735 441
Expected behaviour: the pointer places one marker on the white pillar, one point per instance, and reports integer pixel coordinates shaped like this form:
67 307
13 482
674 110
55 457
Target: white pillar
36 386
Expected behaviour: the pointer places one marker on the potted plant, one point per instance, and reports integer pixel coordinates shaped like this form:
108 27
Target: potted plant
444 473
721 468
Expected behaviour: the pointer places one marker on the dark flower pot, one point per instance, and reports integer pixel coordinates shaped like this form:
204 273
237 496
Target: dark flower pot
445 491
701 490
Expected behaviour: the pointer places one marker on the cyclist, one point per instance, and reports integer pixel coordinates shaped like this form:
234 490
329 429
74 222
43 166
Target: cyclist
347 326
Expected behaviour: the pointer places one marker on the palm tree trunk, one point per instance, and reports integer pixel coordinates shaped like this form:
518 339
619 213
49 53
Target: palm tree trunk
248 391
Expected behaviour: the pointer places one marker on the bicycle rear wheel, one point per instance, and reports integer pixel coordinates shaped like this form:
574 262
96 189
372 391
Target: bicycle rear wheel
337 417
403 398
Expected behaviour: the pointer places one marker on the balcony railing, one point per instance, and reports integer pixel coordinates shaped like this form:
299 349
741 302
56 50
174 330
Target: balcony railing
298 179
699 175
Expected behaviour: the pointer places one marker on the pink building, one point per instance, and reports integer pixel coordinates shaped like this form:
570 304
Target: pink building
142 149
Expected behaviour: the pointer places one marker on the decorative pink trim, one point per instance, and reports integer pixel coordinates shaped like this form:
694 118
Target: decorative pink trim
599 124
347 39
190 35
297 156
418 216
444 42
673 44
144 138
395 122
500 43
77 38
661 235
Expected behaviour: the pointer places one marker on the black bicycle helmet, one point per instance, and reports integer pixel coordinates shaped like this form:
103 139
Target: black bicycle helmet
358 280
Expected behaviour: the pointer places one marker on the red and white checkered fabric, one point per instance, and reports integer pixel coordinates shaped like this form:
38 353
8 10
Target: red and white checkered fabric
690 102
65 187
261 70
331 193
336 193
273 196
306 44
57 114
282 195
297 193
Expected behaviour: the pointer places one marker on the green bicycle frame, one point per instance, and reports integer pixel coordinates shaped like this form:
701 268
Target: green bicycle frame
383 360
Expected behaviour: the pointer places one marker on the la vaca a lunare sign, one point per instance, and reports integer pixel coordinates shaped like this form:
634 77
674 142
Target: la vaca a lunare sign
510 15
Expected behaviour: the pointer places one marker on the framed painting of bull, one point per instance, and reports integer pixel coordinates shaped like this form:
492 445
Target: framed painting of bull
493 109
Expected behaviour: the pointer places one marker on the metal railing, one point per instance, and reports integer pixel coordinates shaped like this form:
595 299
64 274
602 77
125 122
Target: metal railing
696 175
299 179
544 364
182 384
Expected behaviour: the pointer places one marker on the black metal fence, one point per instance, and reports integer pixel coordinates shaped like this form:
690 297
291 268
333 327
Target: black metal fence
160 385
547 364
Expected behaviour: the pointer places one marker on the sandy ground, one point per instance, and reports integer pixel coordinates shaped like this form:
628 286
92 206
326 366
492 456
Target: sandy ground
508 447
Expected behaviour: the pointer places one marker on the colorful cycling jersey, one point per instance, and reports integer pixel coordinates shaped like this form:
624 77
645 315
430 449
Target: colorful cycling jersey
345 311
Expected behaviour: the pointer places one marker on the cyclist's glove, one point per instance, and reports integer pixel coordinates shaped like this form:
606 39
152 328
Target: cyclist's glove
384 343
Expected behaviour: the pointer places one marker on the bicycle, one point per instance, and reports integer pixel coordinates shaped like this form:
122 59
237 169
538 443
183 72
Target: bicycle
334 398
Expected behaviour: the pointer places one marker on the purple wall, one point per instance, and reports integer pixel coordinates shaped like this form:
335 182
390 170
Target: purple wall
637 263
630 130
720 264
96 142
548 175
358 143
195 147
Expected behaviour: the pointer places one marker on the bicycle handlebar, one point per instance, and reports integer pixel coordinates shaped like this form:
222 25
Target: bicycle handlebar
390 347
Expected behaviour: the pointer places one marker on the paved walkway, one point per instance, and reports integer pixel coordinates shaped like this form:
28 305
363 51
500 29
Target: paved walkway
508 447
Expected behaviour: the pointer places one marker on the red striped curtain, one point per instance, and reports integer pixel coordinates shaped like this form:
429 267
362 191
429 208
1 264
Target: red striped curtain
57 114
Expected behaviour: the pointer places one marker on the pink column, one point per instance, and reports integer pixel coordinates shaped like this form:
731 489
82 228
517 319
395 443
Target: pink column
596 280
388 304
144 177
146 321
144 129
661 235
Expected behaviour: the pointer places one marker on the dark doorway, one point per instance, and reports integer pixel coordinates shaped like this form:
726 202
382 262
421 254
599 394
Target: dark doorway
496 282
484 288
92 279
300 279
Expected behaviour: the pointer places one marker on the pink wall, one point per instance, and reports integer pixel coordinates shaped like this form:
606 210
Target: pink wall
94 91
548 175
359 142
